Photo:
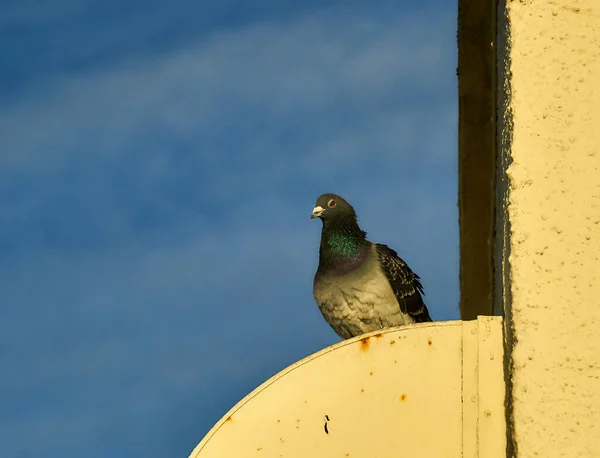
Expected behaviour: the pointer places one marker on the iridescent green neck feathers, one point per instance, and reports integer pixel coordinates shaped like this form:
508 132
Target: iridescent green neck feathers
342 242
342 245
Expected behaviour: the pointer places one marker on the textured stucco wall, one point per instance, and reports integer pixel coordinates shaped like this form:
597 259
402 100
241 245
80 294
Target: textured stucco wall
553 206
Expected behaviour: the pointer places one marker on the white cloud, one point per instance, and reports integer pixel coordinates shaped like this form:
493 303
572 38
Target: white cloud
344 102
275 71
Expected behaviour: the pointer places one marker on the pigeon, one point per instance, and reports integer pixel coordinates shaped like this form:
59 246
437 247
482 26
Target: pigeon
361 286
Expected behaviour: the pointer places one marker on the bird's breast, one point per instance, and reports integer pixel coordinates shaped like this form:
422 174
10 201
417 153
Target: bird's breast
357 302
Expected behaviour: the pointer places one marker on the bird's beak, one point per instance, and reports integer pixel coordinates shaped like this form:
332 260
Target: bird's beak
317 211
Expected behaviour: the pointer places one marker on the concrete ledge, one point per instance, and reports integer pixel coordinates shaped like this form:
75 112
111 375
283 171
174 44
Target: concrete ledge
426 390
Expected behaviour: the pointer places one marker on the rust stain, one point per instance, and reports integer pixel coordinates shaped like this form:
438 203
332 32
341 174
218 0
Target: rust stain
392 342
371 373
229 419
429 342
378 336
364 344
259 449
403 397
362 390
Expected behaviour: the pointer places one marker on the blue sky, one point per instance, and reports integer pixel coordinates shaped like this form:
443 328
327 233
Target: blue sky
158 165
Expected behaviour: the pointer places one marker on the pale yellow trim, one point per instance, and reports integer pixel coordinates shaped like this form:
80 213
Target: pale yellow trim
390 394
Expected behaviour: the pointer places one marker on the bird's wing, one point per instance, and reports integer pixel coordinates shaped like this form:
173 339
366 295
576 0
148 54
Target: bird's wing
404 282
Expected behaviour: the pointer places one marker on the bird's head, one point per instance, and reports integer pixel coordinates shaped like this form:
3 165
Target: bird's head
330 207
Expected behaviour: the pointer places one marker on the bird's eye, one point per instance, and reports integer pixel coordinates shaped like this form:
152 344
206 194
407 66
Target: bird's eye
331 203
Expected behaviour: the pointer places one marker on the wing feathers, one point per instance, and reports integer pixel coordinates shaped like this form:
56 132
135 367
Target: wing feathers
404 282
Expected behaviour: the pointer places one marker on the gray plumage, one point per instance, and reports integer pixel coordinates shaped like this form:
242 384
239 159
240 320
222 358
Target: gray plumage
361 286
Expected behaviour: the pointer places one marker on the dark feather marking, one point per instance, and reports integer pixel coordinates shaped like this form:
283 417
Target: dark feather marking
404 282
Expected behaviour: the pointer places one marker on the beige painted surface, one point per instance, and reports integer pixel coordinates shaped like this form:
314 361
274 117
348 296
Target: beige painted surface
396 394
554 211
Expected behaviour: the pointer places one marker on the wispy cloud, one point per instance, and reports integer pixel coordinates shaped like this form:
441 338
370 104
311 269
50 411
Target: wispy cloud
155 235
291 71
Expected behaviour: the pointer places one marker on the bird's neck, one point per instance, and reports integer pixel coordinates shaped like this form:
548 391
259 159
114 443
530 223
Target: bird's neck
343 243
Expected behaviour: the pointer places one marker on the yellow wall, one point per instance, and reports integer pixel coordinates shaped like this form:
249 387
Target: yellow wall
553 208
